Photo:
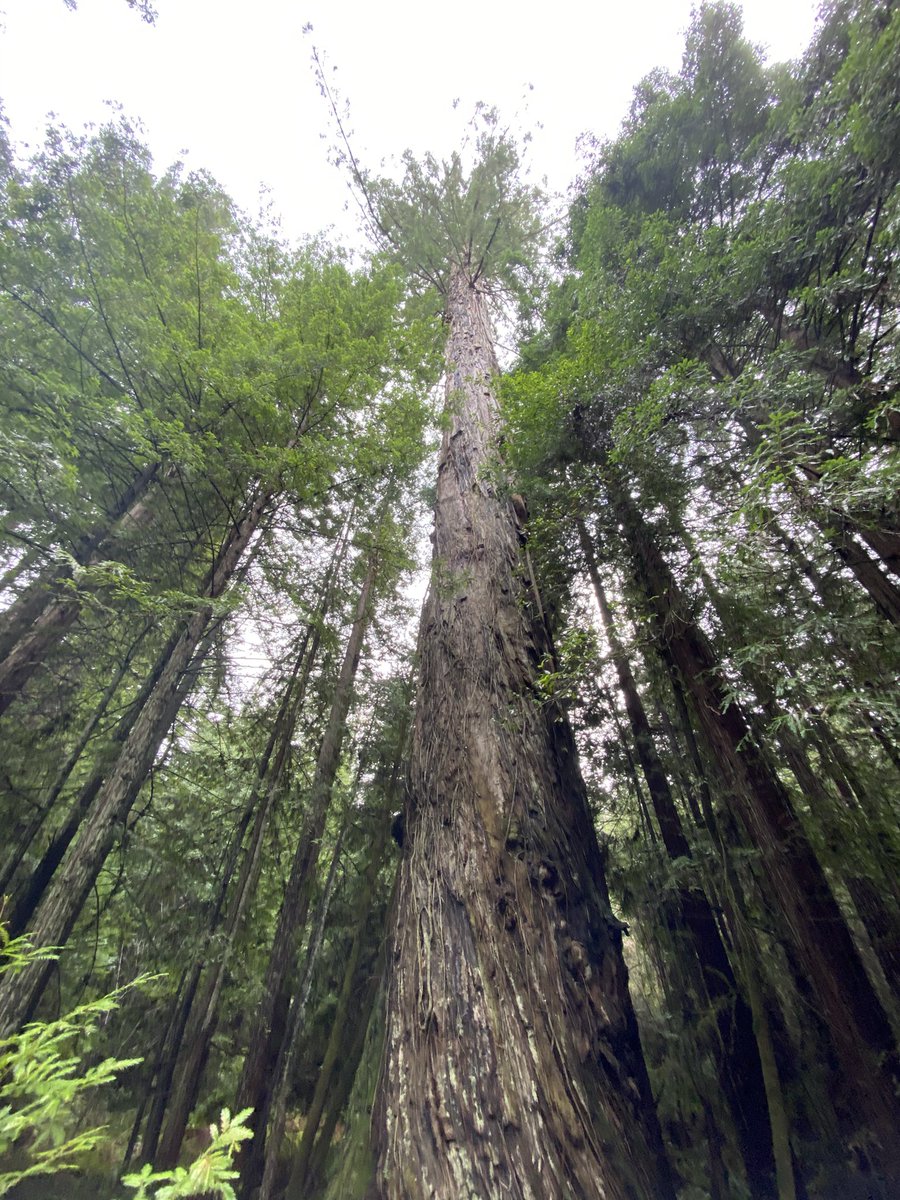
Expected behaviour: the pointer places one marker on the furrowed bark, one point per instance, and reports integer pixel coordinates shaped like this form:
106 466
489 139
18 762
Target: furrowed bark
512 1059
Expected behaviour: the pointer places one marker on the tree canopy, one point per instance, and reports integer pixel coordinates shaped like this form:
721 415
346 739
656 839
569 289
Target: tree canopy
666 548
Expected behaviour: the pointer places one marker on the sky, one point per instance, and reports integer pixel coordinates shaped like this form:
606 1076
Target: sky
227 85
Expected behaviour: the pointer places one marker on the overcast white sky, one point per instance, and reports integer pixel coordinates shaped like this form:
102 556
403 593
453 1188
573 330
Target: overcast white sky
227 84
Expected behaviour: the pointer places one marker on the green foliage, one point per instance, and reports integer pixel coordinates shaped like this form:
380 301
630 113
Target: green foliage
43 1083
724 356
211 1172
474 211
720 347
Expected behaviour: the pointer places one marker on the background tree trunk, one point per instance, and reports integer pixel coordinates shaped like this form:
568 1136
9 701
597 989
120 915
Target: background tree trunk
735 1051
72 882
816 928
255 1087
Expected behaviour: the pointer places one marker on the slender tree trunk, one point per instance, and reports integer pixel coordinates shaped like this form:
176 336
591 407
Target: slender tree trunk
884 594
778 1116
838 529
882 923
285 1069
255 1087
744 952
736 1053
179 1084
339 1090
163 1048
47 608
881 540
875 911
338 1039
647 825
73 881
843 536
512 1064
858 1026
23 563
287 1058
178 1112
178 1098
32 600
34 888
166 1065
48 801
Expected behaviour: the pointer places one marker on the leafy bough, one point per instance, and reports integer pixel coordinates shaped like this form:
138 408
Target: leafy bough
41 1082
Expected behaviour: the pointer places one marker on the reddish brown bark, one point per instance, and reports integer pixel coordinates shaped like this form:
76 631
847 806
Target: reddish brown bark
512 1059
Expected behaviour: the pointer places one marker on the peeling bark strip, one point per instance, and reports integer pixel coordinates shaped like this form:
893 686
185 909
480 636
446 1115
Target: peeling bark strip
512 1060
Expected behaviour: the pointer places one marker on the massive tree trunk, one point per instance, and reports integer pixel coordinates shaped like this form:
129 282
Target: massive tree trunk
736 1055
859 1029
76 875
513 1064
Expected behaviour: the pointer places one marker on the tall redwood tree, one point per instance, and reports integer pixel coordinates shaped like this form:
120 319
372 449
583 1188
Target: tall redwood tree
512 1062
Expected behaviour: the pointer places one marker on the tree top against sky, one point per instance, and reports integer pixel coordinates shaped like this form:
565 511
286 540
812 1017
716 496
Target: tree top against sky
228 86
474 210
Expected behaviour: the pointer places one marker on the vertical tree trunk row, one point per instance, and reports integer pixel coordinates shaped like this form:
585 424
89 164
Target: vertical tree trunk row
737 1056
255 1087
821 939
72 882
